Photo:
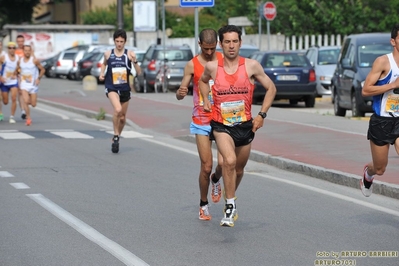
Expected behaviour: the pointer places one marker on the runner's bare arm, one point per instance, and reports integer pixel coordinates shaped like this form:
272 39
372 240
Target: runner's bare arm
106 56
187 76
41 69
259 74
203 83
133 58
379 69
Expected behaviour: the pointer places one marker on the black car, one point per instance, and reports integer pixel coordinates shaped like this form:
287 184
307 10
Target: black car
291 72
356 58
86 63
49 65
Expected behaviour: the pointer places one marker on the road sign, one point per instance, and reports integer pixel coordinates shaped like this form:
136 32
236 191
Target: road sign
269 11
197 3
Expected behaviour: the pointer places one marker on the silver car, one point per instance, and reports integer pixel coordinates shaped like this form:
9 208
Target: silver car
324 60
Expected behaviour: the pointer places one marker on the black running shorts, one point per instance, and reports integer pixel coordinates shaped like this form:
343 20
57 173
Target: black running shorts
124 96
383 130
242 133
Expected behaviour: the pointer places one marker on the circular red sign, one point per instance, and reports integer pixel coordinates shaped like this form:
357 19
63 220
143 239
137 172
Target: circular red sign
269 11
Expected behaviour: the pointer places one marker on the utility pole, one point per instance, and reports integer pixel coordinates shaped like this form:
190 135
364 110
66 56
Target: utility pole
120 14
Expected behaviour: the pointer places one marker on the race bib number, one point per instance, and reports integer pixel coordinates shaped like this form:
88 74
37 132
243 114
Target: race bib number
27 77
392 105
210 98
119 75
233 112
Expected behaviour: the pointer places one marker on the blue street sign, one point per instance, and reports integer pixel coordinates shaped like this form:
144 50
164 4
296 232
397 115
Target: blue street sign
197 3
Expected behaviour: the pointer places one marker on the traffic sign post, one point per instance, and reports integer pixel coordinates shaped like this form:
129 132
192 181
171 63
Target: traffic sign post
270 13
196 4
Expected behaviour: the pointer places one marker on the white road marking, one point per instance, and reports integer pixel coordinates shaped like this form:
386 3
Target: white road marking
20 186
5 174
89 232
318 190
93 123
131 134
331 194
70 134
315 126
15 135
52 112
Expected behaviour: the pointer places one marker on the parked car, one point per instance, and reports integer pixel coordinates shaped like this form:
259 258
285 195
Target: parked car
324 60
96 67
155 58
85 64
354 63
246 50
49 65
291 72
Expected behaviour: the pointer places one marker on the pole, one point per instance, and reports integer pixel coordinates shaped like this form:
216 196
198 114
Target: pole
260 26
120 14
196 29
268 35
165 89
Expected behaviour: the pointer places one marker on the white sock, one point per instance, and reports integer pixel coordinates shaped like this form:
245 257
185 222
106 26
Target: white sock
368 177
231 201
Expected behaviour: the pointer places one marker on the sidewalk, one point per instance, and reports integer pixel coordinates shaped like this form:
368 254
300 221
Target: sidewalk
322 146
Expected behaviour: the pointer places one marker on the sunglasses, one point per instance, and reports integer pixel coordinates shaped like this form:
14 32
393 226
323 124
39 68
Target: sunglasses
12 47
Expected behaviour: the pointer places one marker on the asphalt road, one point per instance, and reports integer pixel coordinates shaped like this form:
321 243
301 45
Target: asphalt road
67 200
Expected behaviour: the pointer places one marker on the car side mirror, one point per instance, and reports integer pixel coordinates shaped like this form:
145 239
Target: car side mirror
346 63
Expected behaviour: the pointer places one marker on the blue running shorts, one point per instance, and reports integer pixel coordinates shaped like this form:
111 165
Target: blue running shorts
200 130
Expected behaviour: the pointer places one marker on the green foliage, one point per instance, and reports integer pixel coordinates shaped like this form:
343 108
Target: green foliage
101 114
294 17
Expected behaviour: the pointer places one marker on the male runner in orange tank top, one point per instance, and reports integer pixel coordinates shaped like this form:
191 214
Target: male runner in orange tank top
200 120
233 127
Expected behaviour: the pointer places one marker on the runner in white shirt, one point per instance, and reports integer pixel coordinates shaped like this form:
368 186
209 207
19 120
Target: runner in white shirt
29 79
8 78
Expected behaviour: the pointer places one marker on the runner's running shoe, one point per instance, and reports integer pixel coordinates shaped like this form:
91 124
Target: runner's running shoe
23 115
366 186
28 122
204 213
230 215
1 117
216 190
12 120
115 144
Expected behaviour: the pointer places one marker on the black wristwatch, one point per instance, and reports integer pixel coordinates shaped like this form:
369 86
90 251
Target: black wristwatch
262 114
135 62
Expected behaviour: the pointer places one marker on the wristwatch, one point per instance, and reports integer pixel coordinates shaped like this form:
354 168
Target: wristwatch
135 62
262 114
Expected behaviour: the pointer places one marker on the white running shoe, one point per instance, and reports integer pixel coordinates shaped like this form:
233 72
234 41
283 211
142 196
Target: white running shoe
12 120
366 186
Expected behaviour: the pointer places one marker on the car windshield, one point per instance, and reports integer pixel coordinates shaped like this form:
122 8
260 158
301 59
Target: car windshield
286 60
367 53
244 52
328 57
140 56
174 55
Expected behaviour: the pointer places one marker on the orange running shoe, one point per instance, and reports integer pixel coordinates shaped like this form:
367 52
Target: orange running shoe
216 192
28 122
204 213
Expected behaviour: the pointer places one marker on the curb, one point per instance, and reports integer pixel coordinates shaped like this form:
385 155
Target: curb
333 176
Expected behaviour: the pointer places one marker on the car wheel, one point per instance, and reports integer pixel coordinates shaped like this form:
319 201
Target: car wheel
355 107
293 102
310 101
338 111
145 85
136 84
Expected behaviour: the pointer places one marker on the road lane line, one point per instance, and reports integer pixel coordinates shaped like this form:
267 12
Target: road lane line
89 232
93 123
328 193
316 126
5 174
64 117
318 190
20 185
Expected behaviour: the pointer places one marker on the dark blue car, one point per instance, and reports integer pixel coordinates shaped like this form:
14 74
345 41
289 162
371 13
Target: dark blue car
291 72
